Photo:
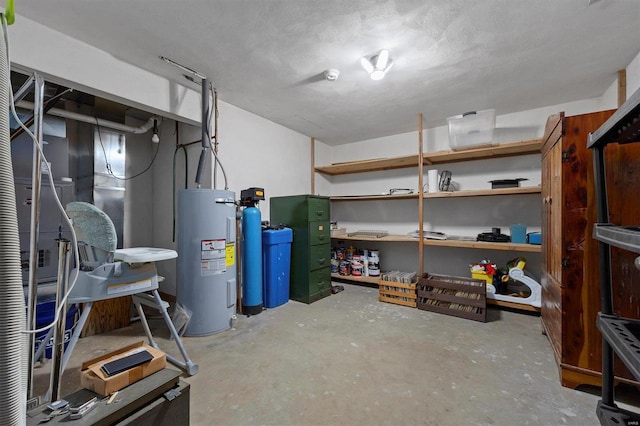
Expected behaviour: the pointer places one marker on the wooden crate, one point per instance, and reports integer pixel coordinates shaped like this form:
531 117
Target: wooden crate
458 296
398 293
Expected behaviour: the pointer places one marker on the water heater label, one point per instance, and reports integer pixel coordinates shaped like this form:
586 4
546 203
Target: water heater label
231 254
208 245
212 267
213 257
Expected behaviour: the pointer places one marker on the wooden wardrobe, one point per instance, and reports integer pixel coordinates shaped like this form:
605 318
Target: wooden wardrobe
570 281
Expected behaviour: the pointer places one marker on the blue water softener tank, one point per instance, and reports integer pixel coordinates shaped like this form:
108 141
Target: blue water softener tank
276 263
252 297
206 281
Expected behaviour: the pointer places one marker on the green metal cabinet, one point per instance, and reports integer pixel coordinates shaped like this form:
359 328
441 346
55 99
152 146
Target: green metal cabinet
308 217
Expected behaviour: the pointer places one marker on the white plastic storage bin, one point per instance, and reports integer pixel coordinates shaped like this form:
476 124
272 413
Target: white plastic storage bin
472 129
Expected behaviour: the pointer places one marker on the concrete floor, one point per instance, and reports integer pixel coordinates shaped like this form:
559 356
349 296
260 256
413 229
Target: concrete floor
351 360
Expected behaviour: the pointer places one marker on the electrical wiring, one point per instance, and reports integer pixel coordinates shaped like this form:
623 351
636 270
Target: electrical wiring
74 239
106 159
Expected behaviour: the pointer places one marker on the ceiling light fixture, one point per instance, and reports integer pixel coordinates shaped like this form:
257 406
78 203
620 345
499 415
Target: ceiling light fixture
378 65
155 138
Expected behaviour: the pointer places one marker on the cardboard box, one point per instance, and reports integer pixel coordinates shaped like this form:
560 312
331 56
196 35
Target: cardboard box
94 379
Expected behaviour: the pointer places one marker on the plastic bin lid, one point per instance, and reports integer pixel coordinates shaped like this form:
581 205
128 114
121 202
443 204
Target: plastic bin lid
275 236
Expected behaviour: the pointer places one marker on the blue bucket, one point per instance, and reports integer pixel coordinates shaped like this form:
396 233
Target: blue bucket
45 313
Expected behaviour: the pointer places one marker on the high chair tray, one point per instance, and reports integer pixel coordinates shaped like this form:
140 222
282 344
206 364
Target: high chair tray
144 254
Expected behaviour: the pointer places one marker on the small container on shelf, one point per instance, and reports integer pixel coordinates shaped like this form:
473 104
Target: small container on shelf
472 129
519 233
534 238
337 231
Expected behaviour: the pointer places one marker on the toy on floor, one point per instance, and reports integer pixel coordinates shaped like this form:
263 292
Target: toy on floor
496 277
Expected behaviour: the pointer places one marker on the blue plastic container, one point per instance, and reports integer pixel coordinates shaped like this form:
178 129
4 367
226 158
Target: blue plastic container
45 313
276 254
519 234
252 300
534 238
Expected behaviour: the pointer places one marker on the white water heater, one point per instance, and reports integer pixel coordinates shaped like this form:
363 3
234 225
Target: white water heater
206 281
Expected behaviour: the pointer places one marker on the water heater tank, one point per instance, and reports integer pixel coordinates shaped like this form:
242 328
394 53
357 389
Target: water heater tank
206 279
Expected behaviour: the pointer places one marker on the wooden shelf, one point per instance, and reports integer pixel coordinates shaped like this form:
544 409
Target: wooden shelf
485 192
484 245
375 197
368 280
369 165
387 238
467 193
532 146
513 305
446 243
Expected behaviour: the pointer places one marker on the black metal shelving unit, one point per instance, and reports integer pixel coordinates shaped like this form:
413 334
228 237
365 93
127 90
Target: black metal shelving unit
619 335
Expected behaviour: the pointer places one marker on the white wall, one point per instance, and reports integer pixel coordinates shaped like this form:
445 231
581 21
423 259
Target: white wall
138 198
610 96
34 47
633 76
258 152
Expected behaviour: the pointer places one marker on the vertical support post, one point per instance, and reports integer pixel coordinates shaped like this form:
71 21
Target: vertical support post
604 254
36 176
622 87
57 351
313 166
420 197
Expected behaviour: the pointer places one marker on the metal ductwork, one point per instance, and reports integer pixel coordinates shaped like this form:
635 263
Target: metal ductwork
93 120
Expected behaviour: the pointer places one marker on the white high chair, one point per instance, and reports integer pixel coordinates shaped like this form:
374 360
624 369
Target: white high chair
105 273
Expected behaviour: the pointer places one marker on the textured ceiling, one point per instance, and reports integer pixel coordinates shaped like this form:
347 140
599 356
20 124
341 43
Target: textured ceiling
451 56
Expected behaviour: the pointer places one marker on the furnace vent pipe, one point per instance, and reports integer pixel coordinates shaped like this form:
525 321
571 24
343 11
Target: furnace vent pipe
13 347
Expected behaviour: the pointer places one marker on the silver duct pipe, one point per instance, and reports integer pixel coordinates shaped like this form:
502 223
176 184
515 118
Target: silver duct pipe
13 393
93 120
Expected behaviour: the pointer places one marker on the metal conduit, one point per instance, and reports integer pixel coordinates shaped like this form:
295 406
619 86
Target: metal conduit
36 180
